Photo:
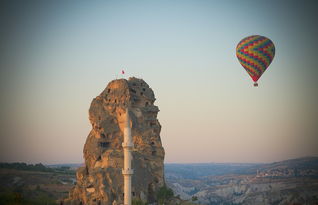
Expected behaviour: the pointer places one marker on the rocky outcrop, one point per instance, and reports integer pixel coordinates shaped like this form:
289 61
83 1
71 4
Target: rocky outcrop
100 181
265 191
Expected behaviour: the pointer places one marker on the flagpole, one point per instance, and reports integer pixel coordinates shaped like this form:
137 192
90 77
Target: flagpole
123 73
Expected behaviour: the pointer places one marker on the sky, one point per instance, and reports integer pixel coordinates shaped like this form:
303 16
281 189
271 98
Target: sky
56 56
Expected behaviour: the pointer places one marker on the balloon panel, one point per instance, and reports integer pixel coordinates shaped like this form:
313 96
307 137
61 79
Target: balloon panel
255 53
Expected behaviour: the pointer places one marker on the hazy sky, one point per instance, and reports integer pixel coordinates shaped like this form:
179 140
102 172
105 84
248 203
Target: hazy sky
56 56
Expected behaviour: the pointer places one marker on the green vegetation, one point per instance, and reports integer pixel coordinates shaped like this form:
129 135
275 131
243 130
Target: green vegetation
28 184
18 198
194 198
164 194
138 202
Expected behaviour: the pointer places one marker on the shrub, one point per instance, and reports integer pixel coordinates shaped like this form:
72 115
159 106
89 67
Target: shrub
164 194
138 202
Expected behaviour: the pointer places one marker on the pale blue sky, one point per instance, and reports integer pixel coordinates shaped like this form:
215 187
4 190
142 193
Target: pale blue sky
56 57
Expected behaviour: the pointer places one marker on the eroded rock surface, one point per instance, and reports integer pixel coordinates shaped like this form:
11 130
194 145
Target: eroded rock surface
100 181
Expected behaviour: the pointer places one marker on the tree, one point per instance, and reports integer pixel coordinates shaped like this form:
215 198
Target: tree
138 202
164 194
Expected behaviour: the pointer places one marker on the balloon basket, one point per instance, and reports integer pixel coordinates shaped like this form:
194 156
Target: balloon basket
255 84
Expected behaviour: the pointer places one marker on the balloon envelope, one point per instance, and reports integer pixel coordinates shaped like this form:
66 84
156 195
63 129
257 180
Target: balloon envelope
255 53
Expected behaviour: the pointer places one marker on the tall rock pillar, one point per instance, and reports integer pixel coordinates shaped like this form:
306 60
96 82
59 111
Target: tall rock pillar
127 171
109 143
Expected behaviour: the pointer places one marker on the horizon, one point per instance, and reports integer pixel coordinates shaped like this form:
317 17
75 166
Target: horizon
177 163
57 56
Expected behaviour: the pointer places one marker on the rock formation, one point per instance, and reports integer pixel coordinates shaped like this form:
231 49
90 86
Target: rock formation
100 181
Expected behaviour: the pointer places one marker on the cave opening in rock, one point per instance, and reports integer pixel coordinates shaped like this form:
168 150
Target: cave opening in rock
104 144
132 90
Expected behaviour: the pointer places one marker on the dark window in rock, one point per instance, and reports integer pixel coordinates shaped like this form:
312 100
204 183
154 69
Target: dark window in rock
141 84
152 143
141 93
144 89
152 124
103 135
94 199
108 91
153 153
99 203
104 144
115 100
136 100
133 193
99 118
132 90
99 158
146 104
134 84
156 180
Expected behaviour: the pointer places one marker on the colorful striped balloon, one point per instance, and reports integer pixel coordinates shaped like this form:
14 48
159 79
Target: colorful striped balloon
255 53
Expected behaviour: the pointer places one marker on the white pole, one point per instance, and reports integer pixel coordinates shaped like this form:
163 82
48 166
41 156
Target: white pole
127 171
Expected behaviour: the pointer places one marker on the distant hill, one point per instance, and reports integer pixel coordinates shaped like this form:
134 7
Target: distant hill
71 166
65 165
38 167
22 183
299 163
307 166
292 181
199 170
23 166
195 171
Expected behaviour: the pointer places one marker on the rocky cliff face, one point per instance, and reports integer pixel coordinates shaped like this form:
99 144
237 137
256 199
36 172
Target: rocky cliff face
100 181
291 182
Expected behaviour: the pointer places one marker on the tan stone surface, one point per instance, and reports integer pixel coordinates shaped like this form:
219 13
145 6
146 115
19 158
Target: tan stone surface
101 180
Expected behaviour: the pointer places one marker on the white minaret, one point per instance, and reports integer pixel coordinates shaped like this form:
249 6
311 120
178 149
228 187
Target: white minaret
127 171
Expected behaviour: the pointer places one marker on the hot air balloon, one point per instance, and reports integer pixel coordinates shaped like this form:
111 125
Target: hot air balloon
255 53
